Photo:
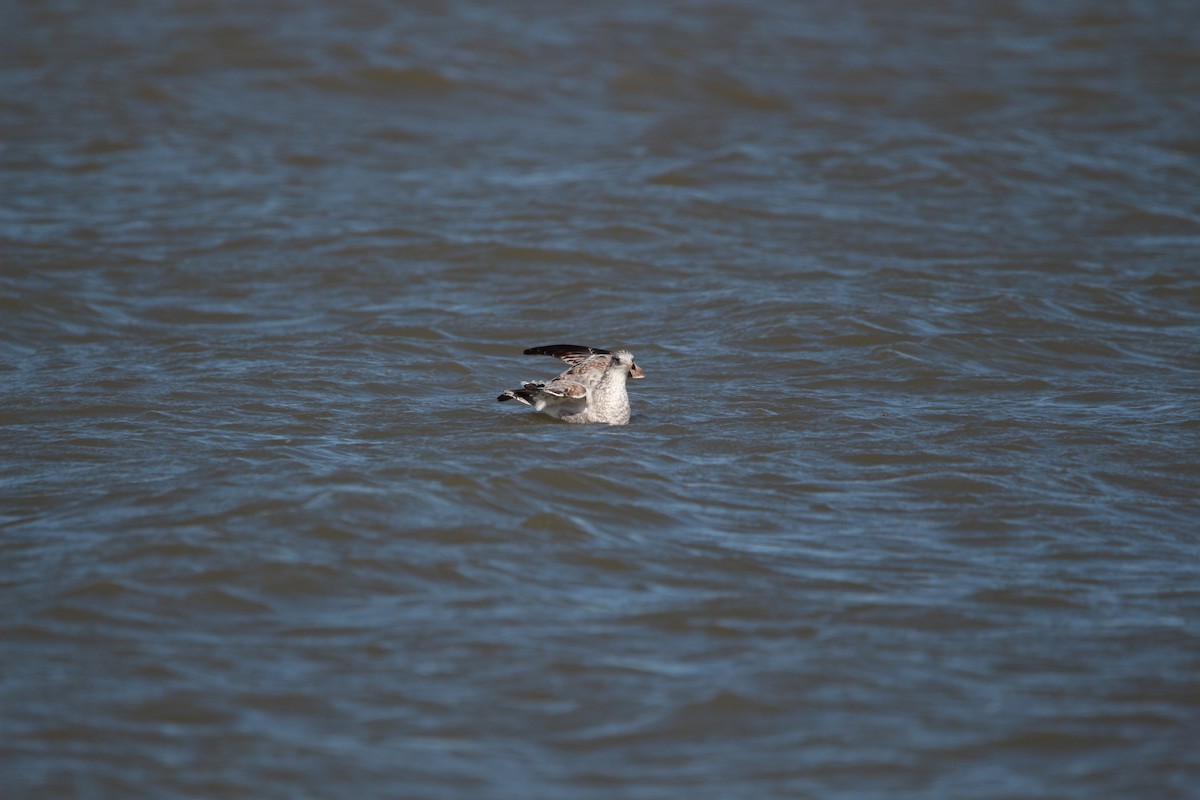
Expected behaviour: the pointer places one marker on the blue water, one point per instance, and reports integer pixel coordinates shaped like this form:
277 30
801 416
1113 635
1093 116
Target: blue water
907 506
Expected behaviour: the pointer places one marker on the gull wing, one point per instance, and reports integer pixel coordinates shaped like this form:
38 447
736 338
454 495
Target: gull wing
571 353
566 389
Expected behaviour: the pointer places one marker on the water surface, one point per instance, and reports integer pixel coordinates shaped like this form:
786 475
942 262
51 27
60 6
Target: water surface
907 507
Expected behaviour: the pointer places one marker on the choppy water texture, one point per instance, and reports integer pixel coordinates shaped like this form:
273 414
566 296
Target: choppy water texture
908 505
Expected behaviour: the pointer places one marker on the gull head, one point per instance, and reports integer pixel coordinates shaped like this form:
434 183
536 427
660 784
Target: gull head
625 359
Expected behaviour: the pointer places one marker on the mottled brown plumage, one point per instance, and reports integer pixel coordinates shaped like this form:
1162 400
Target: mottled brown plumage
591 390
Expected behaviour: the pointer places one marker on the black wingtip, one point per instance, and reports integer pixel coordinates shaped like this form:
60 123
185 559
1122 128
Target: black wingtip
505 396
558 350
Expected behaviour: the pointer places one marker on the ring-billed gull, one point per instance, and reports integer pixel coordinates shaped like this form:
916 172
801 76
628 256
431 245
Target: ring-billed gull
592 390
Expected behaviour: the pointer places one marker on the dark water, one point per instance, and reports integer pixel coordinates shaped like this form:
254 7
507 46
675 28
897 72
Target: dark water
908 506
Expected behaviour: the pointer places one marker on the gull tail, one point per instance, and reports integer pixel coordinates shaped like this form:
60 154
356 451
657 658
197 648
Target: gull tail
527 394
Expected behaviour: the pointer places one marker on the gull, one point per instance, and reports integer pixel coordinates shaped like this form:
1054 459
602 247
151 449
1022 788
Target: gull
591 390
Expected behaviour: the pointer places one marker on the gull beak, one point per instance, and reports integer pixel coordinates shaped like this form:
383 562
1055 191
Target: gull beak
636 372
